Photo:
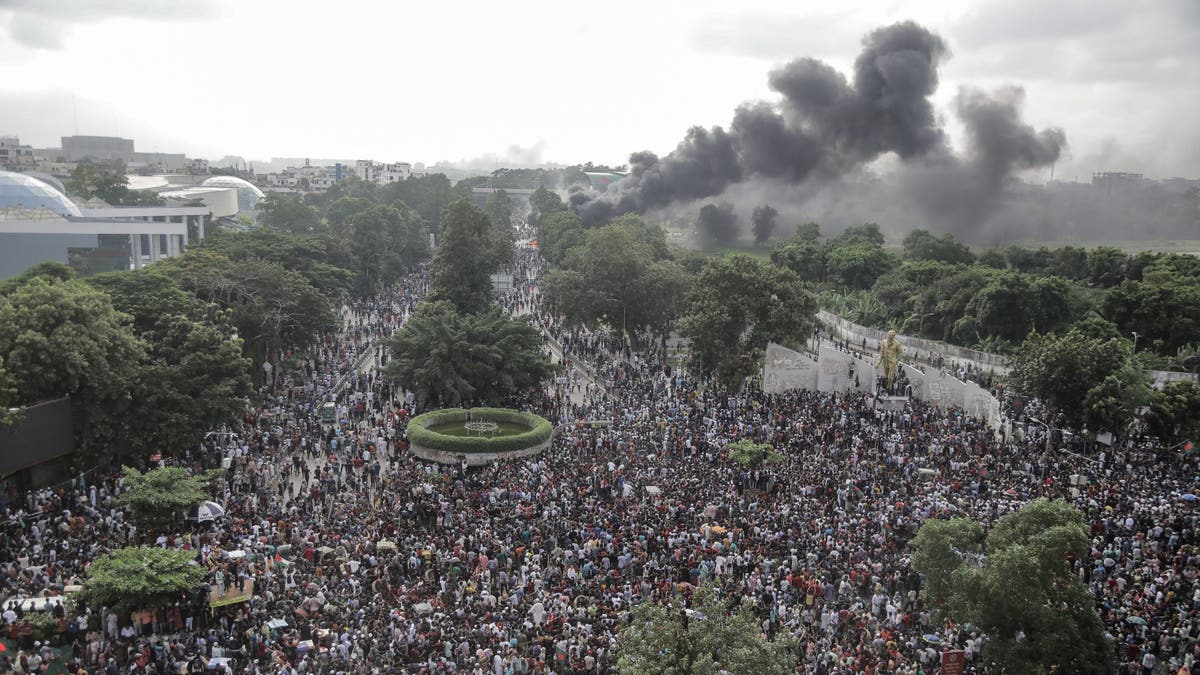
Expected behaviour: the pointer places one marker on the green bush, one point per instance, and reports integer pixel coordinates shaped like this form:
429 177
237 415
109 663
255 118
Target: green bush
419 434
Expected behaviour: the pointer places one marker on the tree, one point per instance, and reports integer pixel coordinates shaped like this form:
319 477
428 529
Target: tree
499 207
310 256
339 212
9 416
290 214
736 306
558 233
141 577
1020 588
271 307
807 233
386 242
428 195
1070 262
675 639
1174 414
1063 370
1106 266
867 233
921 245
467 256
109 184
450 358
805 259
1164 309
194 376
858 265
542 204
751 454
60 338
717 224
161 497
763 223
618 277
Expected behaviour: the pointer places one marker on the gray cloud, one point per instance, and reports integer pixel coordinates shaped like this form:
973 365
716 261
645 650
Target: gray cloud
46 24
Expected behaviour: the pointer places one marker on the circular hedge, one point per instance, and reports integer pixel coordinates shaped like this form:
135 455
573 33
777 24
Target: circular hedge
419 434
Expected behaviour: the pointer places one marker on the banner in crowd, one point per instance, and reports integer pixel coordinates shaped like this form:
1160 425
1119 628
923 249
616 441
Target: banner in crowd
785 369
833 370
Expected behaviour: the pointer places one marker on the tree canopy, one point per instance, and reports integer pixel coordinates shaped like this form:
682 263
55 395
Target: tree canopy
450 358
736 306
141 577
1019 586
160 497
469 251
709 636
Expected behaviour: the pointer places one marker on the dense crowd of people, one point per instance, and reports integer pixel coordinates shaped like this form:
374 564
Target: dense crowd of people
339 552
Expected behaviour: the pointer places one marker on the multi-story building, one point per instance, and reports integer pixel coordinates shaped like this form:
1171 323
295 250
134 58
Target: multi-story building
14 156
381 173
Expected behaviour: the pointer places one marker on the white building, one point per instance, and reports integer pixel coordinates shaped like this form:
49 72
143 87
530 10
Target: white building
381 173
14 156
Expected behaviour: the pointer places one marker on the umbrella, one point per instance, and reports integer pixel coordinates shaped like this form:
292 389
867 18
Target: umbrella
1012 493
208 511
931 639
1135 620
1189 497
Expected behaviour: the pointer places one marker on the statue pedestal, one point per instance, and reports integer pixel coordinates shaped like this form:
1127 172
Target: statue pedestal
891 402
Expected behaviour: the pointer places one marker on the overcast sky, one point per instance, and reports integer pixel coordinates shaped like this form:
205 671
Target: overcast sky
564 82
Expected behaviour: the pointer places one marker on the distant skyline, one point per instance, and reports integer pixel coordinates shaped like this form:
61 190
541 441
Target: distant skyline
507 84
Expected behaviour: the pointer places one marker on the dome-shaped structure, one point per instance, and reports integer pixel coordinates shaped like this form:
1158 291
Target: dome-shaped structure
27 192
248 193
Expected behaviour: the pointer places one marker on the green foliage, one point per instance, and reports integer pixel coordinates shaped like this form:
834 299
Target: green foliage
716 224
9 413
542 204
763 223
447 357
271 306
921 245
807 233
468 253
618 277
735 307
1163 308
108 183
289 213
558 233
141 577
429 196
385 242
1174 414
539 430
194 376
806 259
859 265
161 497
1038 616
50 269
1070 373
61 338
306 255
751 454
867 233
670 640
1106 266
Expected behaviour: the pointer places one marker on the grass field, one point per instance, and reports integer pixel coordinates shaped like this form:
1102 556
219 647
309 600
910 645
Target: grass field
457 429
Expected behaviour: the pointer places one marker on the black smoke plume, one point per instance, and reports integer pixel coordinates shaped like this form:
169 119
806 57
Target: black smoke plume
825 126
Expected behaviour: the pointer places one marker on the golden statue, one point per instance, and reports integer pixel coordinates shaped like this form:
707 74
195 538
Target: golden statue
889 357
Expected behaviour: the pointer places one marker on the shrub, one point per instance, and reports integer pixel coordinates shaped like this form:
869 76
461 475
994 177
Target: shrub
419 434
